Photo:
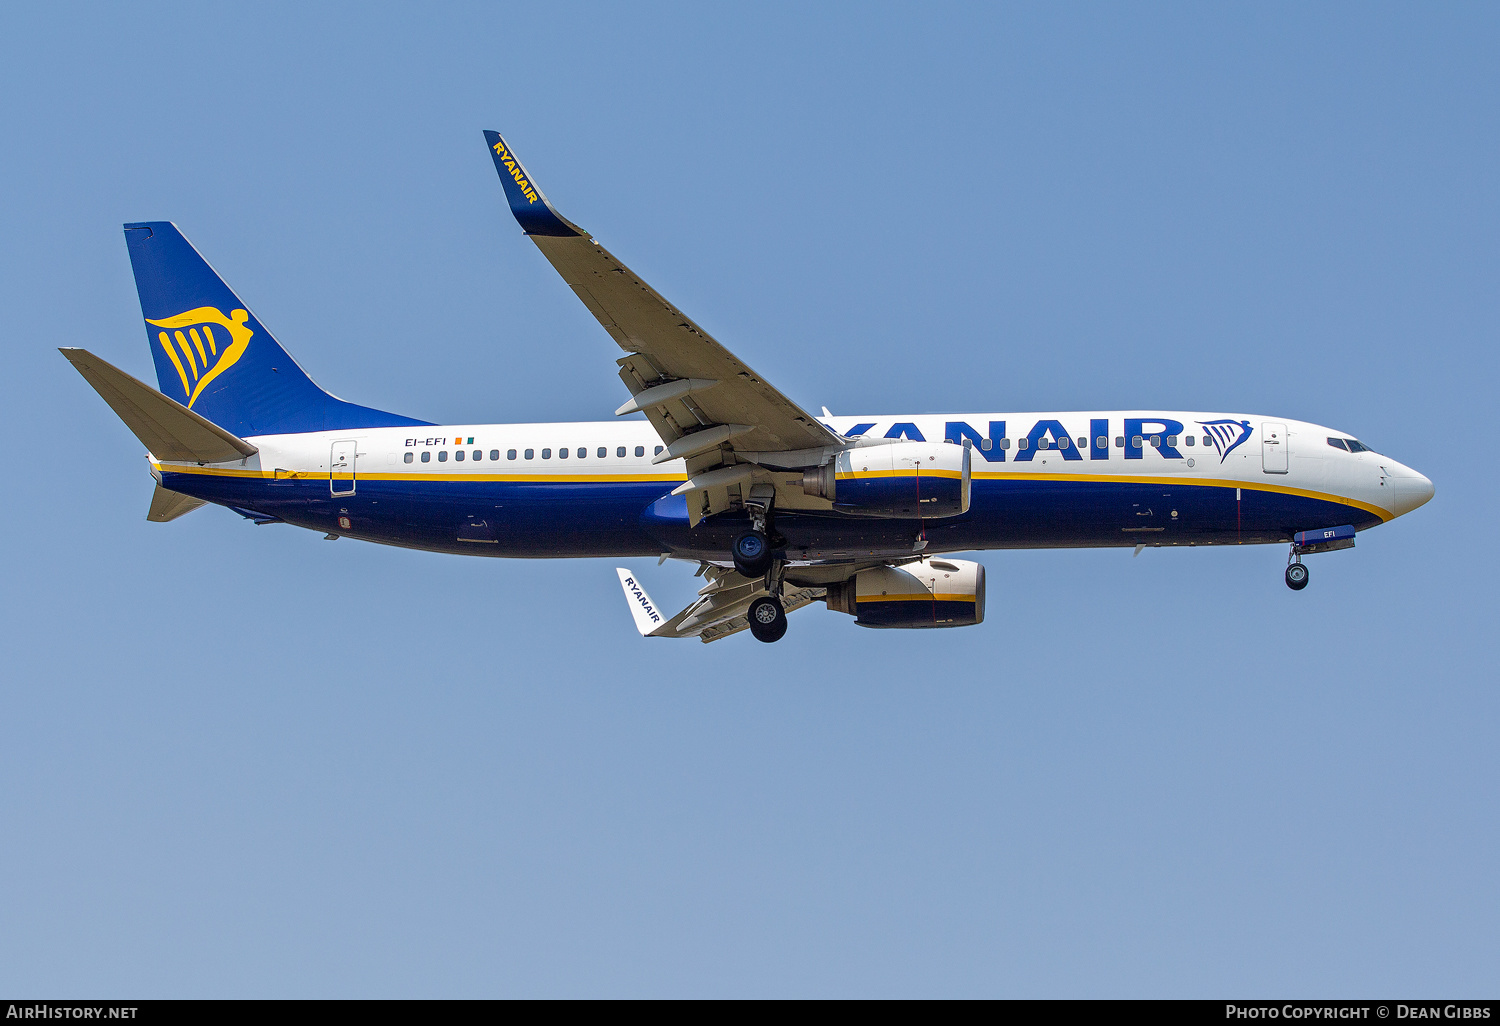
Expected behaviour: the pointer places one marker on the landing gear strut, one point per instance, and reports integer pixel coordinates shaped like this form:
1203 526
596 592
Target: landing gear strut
755 556
1296 574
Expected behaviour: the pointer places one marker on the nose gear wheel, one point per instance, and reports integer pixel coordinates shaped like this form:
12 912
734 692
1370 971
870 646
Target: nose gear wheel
1296 576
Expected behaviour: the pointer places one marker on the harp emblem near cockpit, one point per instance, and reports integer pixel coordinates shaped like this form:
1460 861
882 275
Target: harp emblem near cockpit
202 344
1227 435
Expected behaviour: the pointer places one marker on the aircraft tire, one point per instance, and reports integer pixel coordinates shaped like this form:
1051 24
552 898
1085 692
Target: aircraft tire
767 619
1296 576
752 554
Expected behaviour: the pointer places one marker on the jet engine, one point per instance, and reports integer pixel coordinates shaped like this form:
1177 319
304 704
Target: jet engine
930 593
910 480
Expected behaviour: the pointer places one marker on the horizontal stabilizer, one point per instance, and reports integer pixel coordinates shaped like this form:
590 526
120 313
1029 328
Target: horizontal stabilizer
169 505
169 430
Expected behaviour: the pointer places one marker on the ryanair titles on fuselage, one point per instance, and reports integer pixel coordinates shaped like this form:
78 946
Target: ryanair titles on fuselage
1162 433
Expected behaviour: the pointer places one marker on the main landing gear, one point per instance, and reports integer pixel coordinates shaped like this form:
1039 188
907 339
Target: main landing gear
767 619
1296 574
752 553
754 556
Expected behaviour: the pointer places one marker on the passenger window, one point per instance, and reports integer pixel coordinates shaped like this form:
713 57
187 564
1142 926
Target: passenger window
1005 443
479 454
443 456
459 456
1337 443
407 458
1172 440
640 450
1022 443
1190 439
562 454
1119 441
986 444
427 457
530 453
582 452
603 452
659 450
1156 441
546 454
1207 440
1135 441
620 452
1102 442
1083 443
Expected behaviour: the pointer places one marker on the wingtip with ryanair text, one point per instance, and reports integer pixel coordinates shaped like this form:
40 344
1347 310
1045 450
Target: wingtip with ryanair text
778 508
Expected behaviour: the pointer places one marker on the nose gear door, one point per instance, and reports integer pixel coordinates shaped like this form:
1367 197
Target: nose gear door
341 468
1273 457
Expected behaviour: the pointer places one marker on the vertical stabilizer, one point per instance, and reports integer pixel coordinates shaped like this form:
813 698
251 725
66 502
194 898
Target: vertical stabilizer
215 357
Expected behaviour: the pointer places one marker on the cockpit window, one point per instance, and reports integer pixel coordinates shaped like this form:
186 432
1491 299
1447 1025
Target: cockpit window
1337 443
1357 446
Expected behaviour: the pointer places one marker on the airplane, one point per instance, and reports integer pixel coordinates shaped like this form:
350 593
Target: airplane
777 507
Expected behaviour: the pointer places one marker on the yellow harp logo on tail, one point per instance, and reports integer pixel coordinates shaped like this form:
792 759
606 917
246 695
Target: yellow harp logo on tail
203 343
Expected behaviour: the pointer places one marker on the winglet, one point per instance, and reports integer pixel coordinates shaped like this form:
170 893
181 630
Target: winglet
647 619
535 215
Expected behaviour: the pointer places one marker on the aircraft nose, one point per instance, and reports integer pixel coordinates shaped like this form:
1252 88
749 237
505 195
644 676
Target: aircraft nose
1411 489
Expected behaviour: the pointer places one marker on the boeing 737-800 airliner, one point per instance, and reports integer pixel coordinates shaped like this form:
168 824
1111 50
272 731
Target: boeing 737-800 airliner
779 508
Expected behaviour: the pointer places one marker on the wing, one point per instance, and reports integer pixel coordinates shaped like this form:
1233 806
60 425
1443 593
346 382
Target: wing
708 407
719 609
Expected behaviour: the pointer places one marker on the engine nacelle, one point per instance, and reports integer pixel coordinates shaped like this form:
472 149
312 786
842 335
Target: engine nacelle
906 480
931 593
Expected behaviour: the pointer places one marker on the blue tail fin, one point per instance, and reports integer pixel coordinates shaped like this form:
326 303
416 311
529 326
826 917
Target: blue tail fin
213 355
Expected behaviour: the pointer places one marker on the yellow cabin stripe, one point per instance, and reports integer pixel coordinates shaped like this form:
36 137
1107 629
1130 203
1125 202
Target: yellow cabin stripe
1204 482
862 474
1060 478
360 475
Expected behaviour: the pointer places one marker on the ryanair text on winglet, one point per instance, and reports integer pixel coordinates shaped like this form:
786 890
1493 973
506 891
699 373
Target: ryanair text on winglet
515 172
640 596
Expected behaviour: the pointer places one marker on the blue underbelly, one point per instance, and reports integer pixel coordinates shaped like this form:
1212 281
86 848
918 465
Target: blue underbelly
530 519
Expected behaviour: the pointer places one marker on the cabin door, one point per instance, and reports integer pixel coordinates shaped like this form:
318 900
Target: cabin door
341 468
1273 457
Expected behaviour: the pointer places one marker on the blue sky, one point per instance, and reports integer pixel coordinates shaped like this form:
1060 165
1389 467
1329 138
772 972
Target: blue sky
241 761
